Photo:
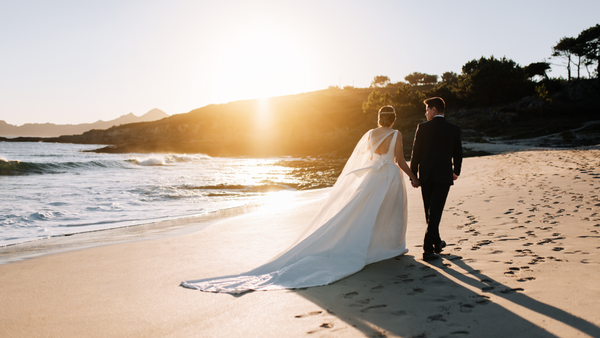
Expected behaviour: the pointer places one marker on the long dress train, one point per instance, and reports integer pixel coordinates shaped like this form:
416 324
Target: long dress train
361 222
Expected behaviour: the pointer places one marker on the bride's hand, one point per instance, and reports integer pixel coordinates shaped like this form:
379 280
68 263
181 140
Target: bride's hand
415 182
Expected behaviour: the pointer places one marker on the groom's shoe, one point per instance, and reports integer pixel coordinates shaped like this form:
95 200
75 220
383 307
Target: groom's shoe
438 248
430 256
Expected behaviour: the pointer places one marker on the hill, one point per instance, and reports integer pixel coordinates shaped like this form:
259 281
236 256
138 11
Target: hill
330 122
304 124
312 123
54 130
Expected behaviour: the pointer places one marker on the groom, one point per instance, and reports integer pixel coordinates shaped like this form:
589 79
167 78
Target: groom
437 158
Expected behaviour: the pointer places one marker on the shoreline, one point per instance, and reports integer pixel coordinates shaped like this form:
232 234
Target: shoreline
129 233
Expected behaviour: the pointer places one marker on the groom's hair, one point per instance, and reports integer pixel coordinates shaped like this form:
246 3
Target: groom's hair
436 102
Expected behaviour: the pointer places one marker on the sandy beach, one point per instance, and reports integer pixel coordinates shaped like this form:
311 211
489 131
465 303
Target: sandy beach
522 260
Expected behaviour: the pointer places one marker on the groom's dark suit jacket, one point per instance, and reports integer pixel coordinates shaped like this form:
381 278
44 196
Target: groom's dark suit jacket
437 152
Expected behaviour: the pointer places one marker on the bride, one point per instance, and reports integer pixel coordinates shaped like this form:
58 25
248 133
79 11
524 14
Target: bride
362 221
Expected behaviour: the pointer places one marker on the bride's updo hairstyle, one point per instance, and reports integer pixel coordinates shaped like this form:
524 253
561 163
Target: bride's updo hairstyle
387 116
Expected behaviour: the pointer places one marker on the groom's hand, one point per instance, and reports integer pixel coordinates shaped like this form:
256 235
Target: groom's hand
455 177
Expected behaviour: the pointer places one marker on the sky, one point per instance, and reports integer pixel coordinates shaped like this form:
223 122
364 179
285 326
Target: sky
72 61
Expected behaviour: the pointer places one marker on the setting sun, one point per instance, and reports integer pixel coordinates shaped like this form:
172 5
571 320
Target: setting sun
261 63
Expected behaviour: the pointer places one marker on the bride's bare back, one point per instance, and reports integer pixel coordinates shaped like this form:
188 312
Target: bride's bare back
384 147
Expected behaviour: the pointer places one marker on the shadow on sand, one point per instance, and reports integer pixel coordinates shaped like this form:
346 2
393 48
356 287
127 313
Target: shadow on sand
447 298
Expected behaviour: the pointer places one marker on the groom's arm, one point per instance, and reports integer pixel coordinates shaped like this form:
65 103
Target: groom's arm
415 156
457 154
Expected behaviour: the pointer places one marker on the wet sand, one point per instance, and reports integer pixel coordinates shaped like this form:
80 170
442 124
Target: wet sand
522 228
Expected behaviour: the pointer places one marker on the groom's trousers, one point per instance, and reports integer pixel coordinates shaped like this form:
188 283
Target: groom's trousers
434 199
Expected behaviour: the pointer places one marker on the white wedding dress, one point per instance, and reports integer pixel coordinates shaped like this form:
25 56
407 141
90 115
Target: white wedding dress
362 221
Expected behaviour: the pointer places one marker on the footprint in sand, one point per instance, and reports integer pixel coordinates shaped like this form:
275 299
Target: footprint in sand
486 300
361 303
313 313
408 280
399 313
536 260
508 291
525 279
558 249
436 318
373 307
427 277
466 308
350 295
415 291
458 333
377 289
409 267
323 326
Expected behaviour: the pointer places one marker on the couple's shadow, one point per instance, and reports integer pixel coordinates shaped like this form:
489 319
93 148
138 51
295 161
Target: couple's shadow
443 298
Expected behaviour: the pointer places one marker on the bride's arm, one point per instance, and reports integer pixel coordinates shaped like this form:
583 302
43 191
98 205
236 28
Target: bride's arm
402 163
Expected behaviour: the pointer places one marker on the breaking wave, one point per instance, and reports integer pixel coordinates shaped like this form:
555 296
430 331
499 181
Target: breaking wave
8 168
11 168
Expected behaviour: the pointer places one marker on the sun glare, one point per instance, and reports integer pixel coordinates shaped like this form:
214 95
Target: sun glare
262 63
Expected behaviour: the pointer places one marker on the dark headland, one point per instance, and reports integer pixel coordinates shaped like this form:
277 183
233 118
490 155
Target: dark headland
329 122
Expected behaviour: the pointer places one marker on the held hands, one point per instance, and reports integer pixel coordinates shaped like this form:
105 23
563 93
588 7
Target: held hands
455 177
415 182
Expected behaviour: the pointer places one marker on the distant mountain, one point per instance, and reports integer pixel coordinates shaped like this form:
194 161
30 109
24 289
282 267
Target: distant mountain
55 130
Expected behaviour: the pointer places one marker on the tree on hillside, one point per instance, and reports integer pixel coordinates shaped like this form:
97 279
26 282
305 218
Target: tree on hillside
564 49
492 81
444 91
380 81
589 42
406 95
408 101
417 78
450 78
376 100
537 68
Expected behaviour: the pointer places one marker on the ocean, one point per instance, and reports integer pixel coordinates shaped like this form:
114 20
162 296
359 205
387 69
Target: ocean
55 189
